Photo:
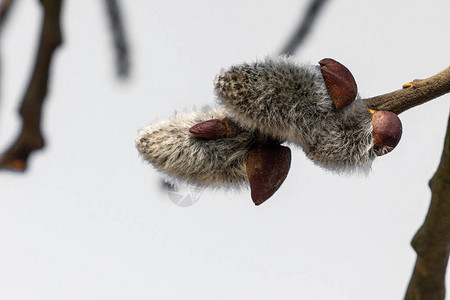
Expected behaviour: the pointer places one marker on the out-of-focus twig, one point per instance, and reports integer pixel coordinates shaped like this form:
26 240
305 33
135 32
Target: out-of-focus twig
304 27
30 137
5 8
432 240
120 41
414 93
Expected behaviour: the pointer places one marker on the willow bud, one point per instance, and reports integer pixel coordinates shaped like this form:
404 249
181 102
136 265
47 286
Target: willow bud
387 131
339 81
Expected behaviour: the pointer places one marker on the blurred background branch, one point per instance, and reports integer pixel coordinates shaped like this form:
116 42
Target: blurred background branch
30 137
5 8
119 38
304 27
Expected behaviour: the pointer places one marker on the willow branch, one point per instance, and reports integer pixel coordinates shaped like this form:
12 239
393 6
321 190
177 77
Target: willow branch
30 137
414 93
304 27
432 240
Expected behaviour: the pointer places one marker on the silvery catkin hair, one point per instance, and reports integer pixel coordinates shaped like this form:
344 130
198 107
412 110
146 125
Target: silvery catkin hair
176 152
288 101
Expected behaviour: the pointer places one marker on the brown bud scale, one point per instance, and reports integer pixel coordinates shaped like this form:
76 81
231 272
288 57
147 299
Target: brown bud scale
339 81
267 167
211 129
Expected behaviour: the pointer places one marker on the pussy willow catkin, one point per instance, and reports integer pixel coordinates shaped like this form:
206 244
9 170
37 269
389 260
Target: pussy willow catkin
176 152
262 105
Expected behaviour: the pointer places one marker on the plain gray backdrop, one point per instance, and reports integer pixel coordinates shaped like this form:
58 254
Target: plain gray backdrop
89 220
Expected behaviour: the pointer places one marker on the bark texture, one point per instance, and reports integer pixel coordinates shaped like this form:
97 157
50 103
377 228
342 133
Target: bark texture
432 240
414 93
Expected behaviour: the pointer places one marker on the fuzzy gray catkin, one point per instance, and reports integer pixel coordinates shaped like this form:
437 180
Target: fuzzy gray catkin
173 150
288 101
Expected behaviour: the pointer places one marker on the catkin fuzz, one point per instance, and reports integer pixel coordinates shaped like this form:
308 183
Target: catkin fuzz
289 102
176 152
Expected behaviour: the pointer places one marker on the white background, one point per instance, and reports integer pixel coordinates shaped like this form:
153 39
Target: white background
89 220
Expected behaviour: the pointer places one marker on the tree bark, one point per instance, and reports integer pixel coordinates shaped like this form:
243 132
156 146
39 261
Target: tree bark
432 240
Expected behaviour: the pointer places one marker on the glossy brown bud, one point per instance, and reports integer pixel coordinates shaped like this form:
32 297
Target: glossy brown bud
339 81
267 167
387 131
211 129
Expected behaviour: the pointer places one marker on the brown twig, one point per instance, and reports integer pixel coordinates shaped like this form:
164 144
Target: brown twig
415 93
432 240
304 27
30 138
120 42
